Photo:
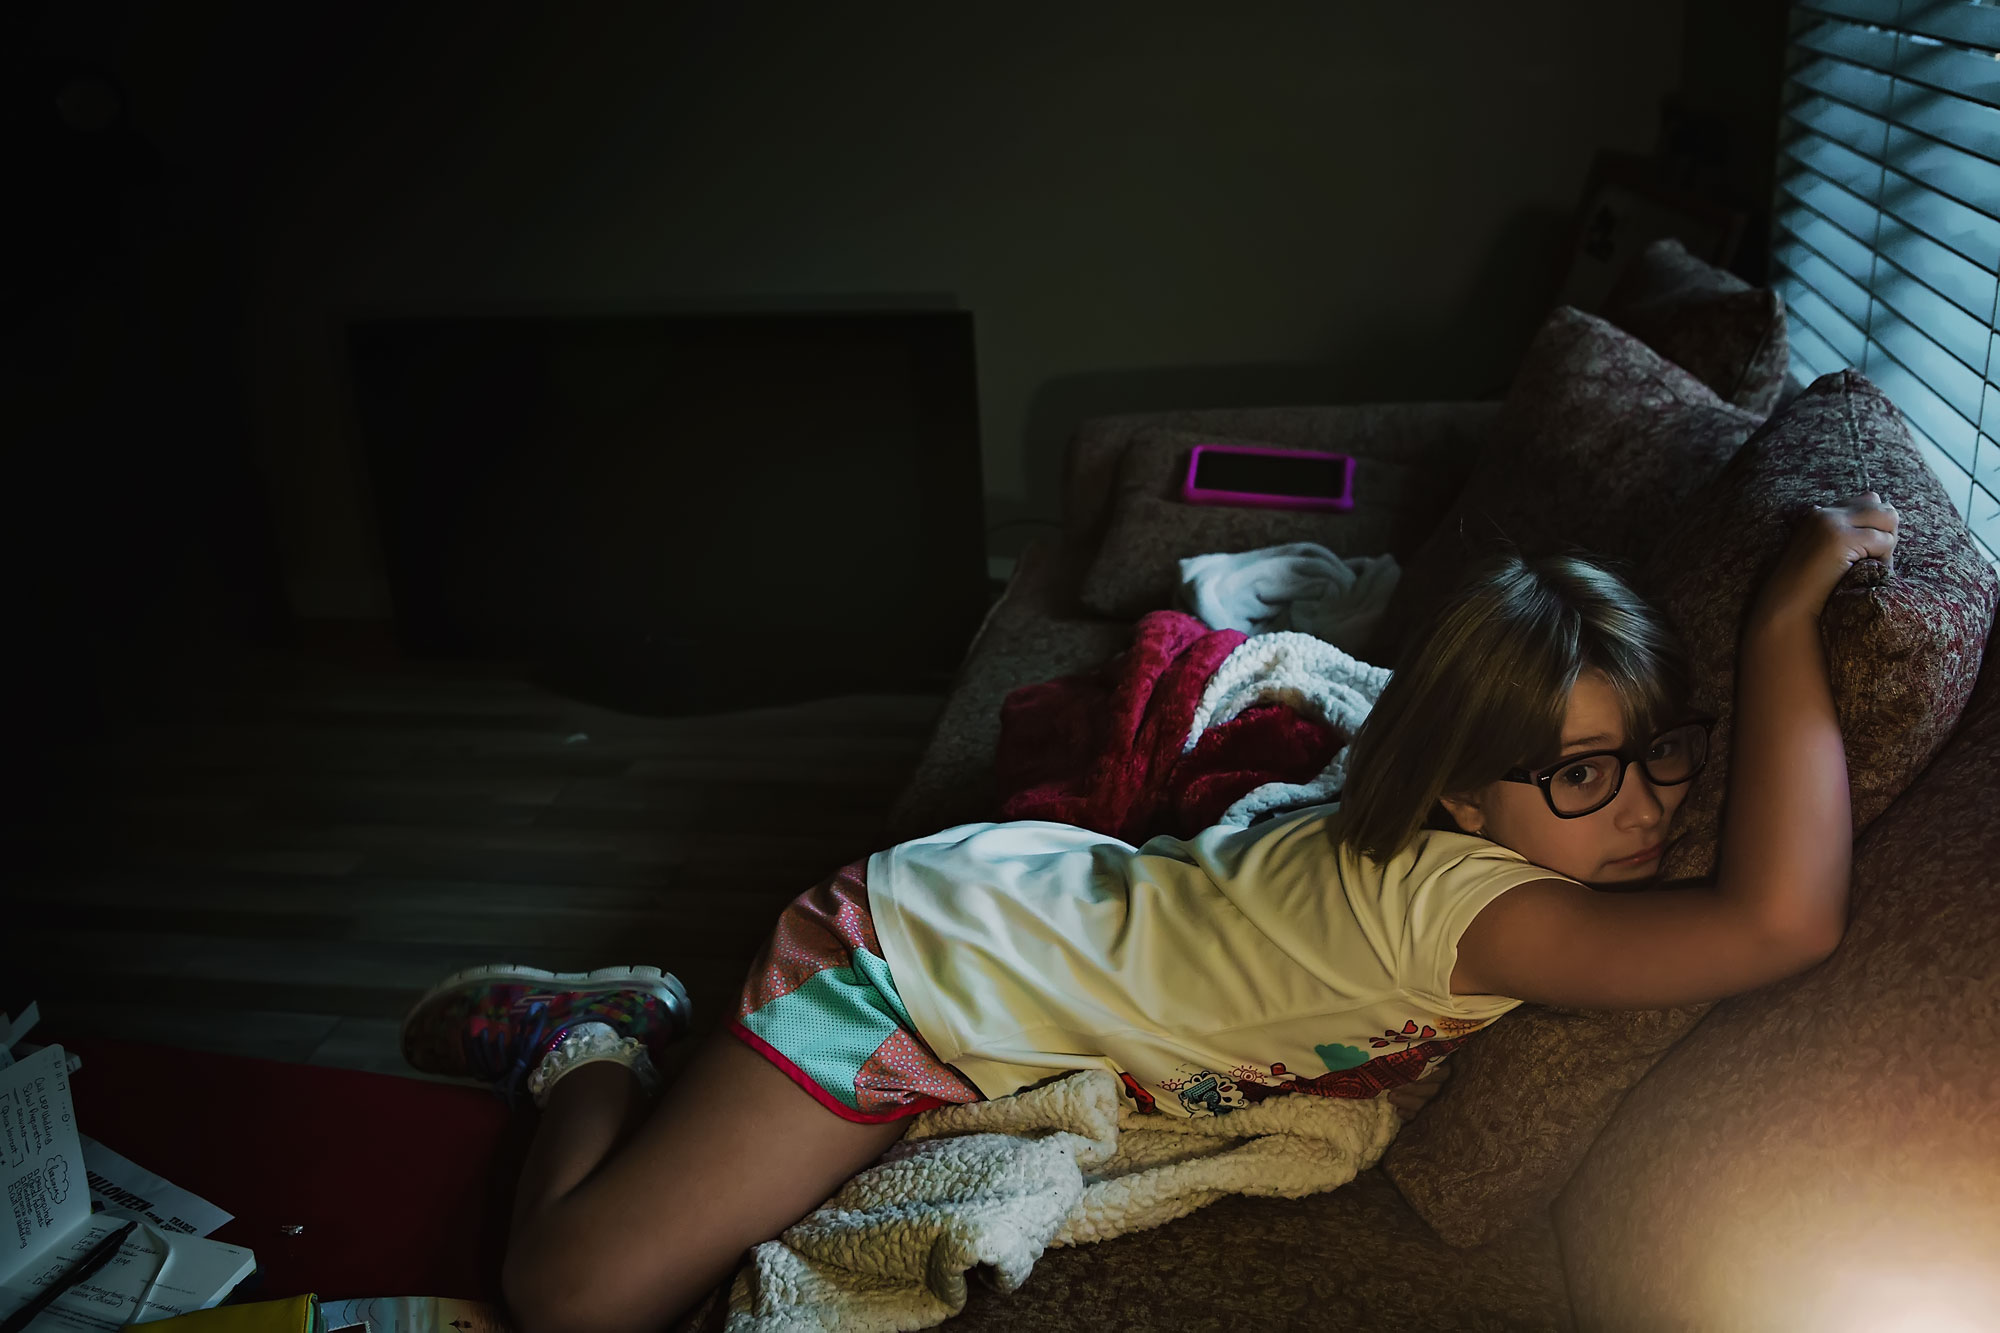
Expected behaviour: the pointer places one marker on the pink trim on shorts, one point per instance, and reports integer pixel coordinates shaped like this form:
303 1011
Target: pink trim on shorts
916 1106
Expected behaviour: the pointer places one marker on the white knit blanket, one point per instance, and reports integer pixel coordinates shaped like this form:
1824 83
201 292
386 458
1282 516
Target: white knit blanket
992 1184
1311 677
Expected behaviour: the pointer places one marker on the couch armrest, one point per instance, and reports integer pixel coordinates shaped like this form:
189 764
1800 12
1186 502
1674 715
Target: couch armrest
1444 435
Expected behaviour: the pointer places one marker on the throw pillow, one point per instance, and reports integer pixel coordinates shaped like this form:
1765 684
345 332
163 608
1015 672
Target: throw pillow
1903 650
1152 529
1902 647
1599 442
1726 333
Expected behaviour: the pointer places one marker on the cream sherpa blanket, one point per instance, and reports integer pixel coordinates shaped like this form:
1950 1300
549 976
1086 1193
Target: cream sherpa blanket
992 1184
1312 678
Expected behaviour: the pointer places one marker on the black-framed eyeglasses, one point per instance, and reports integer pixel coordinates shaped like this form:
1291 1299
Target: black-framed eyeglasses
1583 784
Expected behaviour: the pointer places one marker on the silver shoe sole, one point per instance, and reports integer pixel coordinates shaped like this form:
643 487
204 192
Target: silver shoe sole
664 985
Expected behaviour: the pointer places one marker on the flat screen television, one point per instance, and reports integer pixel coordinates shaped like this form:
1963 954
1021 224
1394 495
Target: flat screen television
681 513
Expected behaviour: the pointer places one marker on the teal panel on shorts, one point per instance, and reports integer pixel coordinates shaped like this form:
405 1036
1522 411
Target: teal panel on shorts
876 970
830 1025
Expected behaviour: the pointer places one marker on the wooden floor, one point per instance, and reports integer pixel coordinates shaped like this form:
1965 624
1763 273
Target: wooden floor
285 879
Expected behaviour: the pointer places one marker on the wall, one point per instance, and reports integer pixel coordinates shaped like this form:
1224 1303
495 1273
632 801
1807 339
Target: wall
139 568
1144 206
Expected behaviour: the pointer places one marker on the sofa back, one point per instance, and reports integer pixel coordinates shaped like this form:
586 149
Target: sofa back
1825 1153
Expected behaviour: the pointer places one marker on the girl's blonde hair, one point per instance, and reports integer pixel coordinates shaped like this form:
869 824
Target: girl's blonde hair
1488 685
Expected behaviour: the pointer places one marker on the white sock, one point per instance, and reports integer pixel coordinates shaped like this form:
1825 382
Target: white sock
589 1043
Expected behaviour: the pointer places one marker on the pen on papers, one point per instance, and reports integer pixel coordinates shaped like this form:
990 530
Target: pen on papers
100 1254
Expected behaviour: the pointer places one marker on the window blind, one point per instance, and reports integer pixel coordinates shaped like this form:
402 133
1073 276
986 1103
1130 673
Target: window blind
1886 224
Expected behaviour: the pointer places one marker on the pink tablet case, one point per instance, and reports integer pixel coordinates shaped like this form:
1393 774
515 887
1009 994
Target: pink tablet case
1256 499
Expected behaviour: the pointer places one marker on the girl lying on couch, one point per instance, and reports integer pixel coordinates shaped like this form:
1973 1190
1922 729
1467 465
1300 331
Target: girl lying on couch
1535 749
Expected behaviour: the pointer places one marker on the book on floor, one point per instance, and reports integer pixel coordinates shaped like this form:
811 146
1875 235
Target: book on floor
412 1314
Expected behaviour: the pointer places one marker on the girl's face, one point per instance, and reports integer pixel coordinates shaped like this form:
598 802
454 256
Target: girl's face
1618 844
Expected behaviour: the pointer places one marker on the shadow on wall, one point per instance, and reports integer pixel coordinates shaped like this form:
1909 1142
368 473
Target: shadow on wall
1471 356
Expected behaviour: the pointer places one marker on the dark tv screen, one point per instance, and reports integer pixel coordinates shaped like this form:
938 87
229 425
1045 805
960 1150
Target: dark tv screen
681 512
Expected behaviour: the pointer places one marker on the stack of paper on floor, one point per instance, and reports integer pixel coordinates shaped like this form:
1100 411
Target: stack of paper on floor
156 1273
125 1187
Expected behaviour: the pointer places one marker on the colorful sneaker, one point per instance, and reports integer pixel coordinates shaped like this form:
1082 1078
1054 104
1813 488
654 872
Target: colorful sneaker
521 1027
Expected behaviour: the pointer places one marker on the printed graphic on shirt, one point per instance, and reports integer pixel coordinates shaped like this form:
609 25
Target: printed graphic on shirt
1410 1053
1339 1057
1409 1036
1203 1092
1141 1099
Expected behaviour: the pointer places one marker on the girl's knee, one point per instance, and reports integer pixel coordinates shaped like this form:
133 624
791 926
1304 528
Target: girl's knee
530 1292
557 1291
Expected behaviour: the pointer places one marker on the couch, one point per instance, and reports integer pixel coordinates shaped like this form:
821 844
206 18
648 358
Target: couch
1823 1153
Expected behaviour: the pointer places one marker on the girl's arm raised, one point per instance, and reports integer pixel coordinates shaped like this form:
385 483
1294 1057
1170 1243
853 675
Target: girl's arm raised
1779 902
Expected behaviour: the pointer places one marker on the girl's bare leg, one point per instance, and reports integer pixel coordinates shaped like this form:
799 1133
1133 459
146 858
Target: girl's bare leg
607 1241
590 1112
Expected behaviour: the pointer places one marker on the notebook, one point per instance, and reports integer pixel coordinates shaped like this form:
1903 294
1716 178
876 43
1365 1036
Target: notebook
156 1274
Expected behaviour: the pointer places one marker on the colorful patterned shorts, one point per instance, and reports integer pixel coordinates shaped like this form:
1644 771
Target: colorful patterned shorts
820 1005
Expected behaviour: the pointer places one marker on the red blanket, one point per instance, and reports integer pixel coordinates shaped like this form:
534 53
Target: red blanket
1103 750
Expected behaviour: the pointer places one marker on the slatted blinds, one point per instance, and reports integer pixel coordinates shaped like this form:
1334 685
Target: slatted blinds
1887 230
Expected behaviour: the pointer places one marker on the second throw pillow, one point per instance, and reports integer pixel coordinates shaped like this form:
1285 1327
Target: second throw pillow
1600 441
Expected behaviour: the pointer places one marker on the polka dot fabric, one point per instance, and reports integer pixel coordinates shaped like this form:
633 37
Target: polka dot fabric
820 1004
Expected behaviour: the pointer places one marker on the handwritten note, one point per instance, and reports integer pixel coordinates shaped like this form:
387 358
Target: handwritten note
155 1275
103 1302
41 1158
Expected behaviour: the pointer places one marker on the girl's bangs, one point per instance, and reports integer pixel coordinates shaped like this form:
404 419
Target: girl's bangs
1650 692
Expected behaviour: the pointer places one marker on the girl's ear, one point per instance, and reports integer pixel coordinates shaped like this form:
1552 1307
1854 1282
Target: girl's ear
1465 812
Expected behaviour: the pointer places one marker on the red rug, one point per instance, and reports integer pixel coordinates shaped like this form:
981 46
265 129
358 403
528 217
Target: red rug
398 1187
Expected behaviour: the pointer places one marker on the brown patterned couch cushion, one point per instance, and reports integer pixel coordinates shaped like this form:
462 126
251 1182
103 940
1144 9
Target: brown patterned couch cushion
1821 1153
1598 443
1902 651
1027 638
1152 529
1720 329
1355 1258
